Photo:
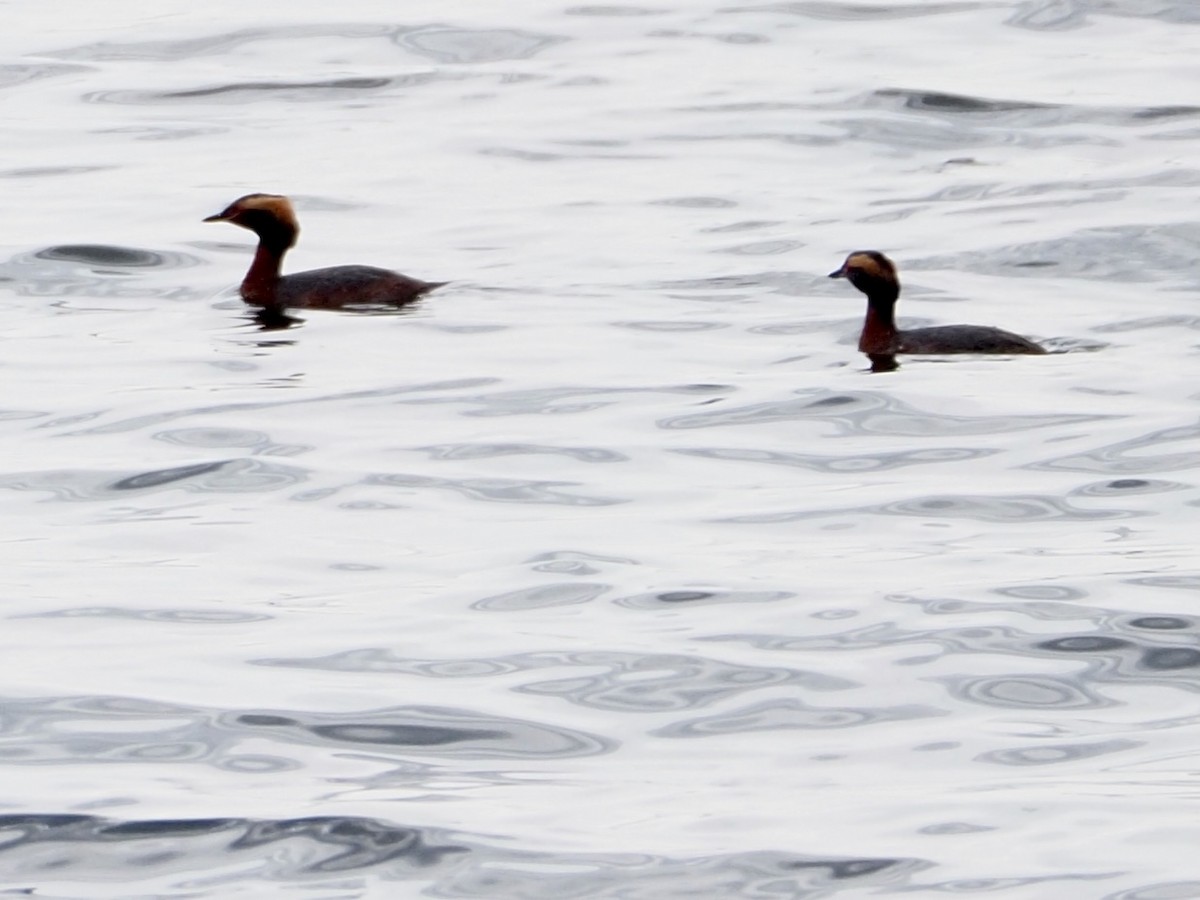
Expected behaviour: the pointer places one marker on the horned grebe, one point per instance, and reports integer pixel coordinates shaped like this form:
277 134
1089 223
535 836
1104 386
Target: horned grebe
873 274
272 218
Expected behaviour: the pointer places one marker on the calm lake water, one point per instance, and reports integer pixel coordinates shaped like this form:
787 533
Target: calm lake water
608 572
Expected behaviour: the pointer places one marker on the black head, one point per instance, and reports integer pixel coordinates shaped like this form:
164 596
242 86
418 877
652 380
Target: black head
269 216
871 272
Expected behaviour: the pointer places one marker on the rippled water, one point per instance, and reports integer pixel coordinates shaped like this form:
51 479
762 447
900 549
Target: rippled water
607 571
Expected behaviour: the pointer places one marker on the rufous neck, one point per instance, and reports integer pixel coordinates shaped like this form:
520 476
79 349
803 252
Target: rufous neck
879 329
260 282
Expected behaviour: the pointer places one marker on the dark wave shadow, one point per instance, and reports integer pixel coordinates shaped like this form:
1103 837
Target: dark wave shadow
567 400
614 681
498 490
219 477
780 715
96 270
1141 455
254 474
287 91
454 452
320 850
1053 15
869 412
122 730
441 43
883 461
1001 508
13 74
1021 112
862 12
1126 254
152 419
1108 650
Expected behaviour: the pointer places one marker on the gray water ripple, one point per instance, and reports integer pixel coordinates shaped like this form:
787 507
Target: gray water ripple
222 477
564 400
447 452
257 442
978 507
496 490
695 202
213 44
680 683
96 270
695 597
102 257
935 133
1026 692
468 46
17 415
1138 455
1119 649
447 733
137 423
873 12
576 562
850 463
938 120
166 133
1020 113
992 198
127 730
319 853
172 616
746 225
1048 15
1146 323
763 248
778 715
273 91
1172 890
51 171
673 327
608 10
628 682
12 74
1067 884
1054 15
1128 486
1053 754
542 596
762 875
1122 253
870 412
749 285
955 828
1177 582
83 846
440 43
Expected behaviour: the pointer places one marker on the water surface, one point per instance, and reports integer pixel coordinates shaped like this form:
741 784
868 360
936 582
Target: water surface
608 571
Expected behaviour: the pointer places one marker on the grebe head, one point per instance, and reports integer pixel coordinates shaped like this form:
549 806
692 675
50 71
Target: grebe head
267 215
869 271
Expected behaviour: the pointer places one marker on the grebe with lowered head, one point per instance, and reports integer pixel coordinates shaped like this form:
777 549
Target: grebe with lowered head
873 274
272 218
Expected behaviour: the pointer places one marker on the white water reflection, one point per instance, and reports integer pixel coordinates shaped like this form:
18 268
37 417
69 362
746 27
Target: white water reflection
606 572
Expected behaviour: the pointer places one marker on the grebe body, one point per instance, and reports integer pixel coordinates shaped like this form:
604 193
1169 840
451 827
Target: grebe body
271 217
875 275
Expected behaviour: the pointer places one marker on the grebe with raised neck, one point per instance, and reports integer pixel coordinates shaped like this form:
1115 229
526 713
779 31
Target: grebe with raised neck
271 217
875 275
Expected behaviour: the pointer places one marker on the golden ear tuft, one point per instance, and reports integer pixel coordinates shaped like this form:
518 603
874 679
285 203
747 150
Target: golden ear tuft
275 204
872 264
